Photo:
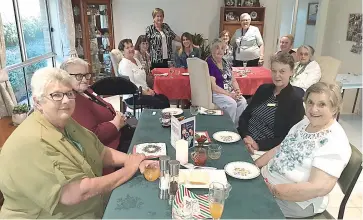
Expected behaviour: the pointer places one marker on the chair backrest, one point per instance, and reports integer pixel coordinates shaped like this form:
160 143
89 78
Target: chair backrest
351 172
114 86
200 83
329 68
116 57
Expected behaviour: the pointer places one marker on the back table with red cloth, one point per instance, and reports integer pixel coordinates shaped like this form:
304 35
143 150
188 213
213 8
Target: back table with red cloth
178 86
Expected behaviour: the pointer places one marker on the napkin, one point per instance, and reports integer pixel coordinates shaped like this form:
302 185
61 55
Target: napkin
204 111
150 150
183 192
161 74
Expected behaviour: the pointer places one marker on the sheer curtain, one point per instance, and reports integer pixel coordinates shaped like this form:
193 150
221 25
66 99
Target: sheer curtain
7 97
67 30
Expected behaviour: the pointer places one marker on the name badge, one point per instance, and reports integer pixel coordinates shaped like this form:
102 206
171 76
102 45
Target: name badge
271 104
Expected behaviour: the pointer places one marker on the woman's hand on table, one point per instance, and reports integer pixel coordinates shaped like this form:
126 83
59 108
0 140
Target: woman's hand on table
146 163
119 120
250 144
134 160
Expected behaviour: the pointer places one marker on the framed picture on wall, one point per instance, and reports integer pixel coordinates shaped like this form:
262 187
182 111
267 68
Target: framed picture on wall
312 13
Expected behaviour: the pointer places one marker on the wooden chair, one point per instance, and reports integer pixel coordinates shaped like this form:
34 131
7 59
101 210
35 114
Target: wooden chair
347 181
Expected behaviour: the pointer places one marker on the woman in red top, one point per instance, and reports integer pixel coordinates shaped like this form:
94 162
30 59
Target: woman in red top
92 112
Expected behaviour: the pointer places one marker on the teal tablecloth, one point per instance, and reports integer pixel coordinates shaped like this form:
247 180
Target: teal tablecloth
138 198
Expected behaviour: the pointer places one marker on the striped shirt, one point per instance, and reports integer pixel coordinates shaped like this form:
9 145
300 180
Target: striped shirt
156 43
262 121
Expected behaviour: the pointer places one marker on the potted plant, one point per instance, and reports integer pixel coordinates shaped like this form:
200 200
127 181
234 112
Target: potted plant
20 113
198 40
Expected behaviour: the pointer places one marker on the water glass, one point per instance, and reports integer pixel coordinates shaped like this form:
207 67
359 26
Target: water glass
244 66
194 110
216 197
214 151
171 68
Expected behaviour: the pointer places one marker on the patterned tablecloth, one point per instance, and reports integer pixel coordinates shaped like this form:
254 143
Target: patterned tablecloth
177 86
138 198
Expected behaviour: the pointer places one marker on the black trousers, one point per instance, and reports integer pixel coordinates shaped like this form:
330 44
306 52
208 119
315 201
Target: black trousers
163 64
158 101
250 63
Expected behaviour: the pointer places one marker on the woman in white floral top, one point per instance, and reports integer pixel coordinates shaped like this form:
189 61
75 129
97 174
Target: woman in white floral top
304 168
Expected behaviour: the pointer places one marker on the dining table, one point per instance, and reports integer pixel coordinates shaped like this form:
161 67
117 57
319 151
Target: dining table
175 84
139 198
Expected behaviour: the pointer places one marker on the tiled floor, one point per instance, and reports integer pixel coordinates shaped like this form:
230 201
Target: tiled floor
352 125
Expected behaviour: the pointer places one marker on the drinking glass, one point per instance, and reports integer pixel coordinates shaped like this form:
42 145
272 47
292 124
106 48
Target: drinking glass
171 68
214 151
244 66
152 172
216 198
194 110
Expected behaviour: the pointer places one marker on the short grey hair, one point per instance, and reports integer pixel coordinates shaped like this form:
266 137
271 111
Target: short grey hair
332 90
44 76
215 43
73 61
244 16
309 48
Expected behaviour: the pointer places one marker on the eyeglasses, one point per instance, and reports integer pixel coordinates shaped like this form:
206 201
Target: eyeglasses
58 96
79 76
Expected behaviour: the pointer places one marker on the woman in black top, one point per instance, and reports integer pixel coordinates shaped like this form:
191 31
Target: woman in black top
286 44
274 108
160 37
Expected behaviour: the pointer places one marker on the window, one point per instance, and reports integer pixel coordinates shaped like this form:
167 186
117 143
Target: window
28 42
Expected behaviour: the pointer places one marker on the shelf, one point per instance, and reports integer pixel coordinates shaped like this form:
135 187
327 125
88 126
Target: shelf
235 7
238 22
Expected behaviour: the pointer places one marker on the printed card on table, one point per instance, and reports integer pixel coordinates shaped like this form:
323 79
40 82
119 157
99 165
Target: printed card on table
184 129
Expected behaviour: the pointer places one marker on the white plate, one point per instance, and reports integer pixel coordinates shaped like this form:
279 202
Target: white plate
253 170
214 176
173 111
185 74
226 136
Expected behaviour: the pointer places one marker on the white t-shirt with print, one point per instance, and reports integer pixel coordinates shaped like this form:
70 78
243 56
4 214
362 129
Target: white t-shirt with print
328 150
136 73
164 45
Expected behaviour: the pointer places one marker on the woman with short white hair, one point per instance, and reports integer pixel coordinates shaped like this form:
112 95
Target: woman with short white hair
302 170
56 164
248 43
226 92
307 71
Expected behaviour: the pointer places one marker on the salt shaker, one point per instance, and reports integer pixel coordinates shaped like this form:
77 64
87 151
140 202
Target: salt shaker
164 177
174 166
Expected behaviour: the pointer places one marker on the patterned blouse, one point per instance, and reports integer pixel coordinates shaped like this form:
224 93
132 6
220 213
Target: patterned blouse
155 41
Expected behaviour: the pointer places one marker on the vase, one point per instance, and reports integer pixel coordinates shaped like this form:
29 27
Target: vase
18 118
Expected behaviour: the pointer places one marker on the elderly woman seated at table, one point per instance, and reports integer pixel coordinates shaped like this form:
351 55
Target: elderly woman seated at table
307 71
274 108
91 111
51 166
226 92
187 50
304 168
132 68
142 54
286 43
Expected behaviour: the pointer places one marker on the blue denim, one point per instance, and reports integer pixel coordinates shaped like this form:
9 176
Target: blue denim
181 60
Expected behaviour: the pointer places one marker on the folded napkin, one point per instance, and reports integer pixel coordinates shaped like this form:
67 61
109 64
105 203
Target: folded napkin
201 212
161 74
151 150
205 111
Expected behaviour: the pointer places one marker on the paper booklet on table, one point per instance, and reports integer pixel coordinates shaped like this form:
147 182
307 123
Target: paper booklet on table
184 129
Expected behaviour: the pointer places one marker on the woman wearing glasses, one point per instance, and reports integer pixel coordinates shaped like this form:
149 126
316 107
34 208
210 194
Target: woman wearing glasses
91 111
56 164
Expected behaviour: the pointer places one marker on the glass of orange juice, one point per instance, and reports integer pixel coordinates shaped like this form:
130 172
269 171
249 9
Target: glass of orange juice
216 199
152 172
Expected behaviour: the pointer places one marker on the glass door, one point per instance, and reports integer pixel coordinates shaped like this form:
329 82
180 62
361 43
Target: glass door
99 39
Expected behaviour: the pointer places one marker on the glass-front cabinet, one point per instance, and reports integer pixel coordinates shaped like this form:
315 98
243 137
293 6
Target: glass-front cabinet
94 34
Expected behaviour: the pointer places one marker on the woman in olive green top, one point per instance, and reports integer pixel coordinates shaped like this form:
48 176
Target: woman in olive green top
51 167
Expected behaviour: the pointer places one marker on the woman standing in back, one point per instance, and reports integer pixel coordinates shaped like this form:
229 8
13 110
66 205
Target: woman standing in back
160 37
248 43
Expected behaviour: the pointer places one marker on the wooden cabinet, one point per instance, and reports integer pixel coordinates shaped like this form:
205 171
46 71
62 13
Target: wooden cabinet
229 18
94 34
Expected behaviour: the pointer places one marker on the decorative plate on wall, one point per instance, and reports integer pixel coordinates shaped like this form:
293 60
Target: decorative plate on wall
253 15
